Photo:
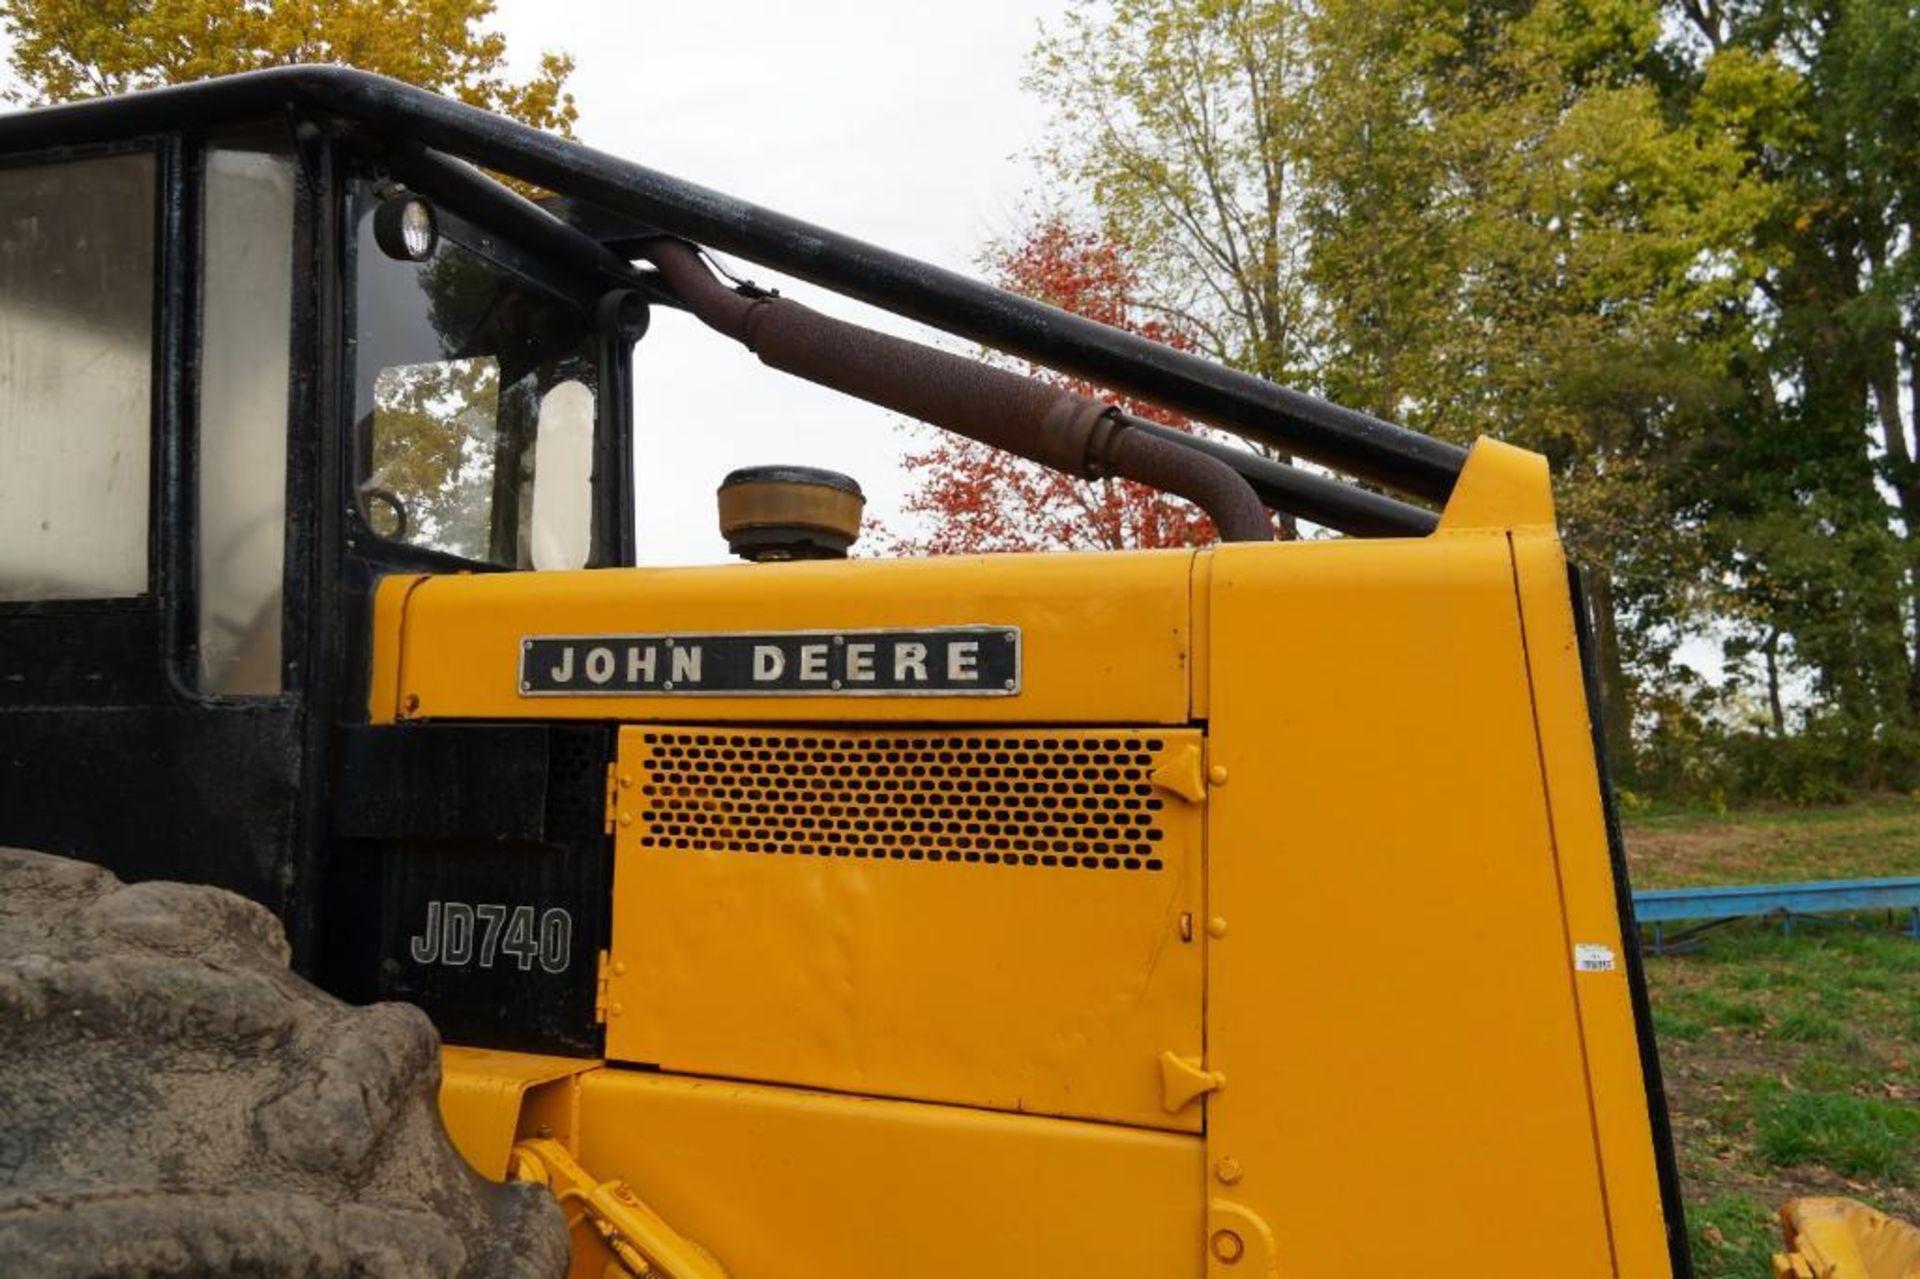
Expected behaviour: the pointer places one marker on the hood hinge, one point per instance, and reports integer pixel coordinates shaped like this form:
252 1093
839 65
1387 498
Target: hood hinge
613 796
601 964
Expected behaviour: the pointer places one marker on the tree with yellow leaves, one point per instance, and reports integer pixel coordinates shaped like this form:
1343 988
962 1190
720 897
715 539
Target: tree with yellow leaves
67 49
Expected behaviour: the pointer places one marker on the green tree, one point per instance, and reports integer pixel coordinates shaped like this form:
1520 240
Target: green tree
1469 217
67 49
1821 508
1184 121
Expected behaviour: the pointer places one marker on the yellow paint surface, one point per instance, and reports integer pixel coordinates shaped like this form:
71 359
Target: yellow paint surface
1392 999
1622 1124
780 1183
1105 637
1035 964
481 1094
1381 842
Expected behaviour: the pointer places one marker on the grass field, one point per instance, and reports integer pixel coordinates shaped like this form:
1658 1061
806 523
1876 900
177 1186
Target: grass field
1792 1064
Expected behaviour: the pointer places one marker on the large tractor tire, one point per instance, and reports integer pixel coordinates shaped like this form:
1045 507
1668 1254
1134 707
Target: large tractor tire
174 1101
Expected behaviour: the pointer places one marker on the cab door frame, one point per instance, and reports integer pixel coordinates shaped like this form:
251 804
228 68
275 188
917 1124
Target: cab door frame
108 751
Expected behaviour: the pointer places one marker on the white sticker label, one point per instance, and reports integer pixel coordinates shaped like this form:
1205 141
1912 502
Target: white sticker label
1590 957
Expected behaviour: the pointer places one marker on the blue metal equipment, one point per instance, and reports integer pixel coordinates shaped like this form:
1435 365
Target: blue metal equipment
1717 905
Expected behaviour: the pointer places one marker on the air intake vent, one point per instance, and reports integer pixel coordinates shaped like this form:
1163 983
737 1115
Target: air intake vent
1042 799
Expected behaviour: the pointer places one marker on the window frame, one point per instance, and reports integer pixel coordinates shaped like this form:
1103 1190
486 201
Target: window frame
609 336
307 645
296 547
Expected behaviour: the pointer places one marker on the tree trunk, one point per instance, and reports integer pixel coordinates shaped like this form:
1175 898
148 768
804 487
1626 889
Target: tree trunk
1616 693
1904 474
1909 492
1772 651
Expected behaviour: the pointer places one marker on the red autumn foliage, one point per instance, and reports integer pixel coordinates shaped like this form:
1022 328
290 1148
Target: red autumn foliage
971 498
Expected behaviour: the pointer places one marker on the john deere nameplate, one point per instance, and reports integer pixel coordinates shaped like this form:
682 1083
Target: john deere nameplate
946 661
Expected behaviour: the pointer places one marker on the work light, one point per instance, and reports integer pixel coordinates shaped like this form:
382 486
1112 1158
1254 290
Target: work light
404 228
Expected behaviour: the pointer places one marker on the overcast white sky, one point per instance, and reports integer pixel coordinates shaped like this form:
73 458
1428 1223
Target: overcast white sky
902 123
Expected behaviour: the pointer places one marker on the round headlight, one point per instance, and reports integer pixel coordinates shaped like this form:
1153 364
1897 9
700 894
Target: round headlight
404 228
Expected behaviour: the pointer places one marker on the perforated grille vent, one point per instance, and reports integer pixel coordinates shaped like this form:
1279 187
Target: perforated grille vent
1086 802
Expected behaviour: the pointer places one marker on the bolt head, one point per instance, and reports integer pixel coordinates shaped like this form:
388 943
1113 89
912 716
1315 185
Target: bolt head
1228 1247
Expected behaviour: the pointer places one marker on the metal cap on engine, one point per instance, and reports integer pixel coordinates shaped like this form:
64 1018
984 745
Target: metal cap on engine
790 513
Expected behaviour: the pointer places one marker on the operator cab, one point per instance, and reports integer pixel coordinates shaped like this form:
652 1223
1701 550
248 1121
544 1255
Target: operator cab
228 405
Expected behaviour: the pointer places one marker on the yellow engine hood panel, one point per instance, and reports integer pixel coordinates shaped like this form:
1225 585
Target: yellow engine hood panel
1104 638
1000 918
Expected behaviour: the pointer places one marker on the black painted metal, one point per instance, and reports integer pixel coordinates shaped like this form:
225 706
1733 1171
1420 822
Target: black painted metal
475 782
1338 437
175 405
622 317
107 751
80 653
587 267
1345 507
500 817
793 475
1672 1205
327 644
165 790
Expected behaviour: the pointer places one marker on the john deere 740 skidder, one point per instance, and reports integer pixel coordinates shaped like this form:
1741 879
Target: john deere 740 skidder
1246 910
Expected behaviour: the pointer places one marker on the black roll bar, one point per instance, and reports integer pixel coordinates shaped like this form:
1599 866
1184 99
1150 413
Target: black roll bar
1340 438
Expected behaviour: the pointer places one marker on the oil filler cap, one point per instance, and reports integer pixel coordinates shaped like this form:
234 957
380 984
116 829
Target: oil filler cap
790 513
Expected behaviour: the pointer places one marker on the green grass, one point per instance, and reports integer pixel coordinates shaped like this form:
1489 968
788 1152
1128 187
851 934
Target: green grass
1792 1064
1733 1237
1809 1026
1690 847
1854 1136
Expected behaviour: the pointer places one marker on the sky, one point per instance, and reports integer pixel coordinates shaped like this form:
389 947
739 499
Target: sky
900 123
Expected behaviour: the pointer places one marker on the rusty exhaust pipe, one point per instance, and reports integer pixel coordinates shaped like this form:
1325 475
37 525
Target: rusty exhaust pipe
1056 428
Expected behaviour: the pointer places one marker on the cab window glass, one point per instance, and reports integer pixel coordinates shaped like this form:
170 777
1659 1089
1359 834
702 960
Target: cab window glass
76 350
456 357
436 443
562 523
246 316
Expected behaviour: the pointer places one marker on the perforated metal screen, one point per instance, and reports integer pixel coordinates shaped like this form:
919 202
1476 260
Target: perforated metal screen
1064 800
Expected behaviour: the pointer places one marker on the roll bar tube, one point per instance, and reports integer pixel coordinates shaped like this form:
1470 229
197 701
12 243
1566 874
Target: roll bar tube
1340 438
1071 433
